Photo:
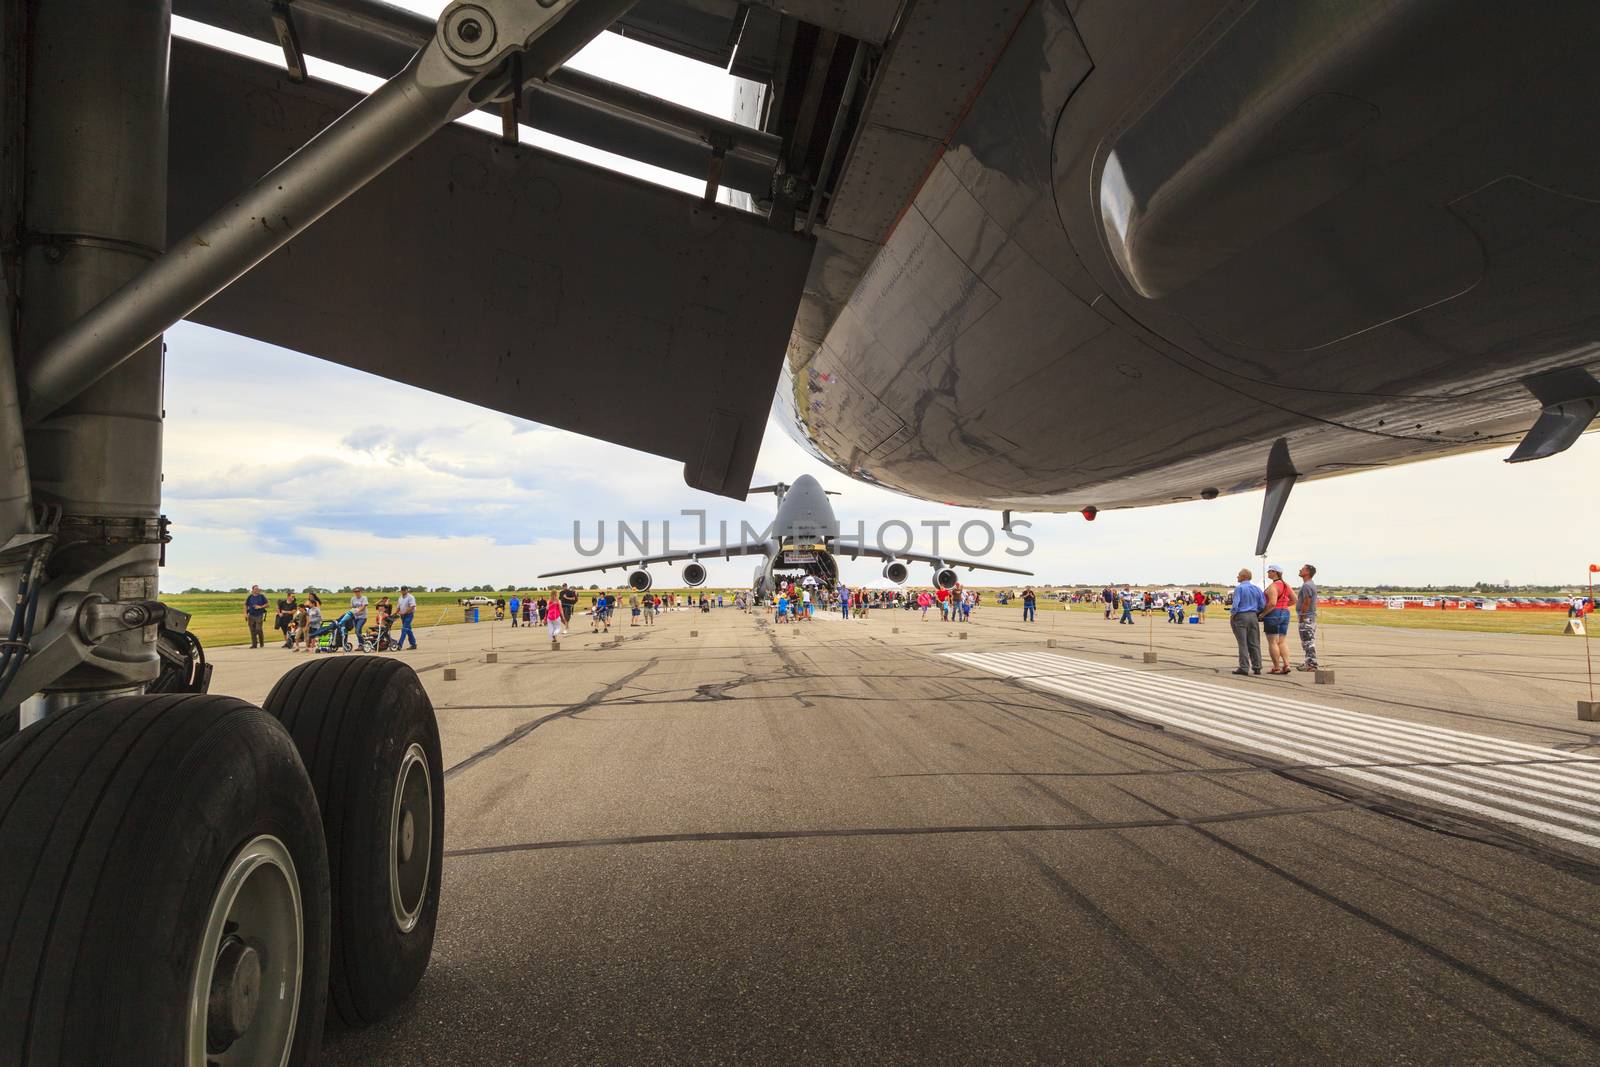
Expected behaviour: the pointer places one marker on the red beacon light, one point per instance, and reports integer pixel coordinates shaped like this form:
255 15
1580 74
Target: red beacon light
1090 512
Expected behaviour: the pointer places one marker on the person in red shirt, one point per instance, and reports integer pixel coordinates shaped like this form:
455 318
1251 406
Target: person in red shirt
1200 604
942 595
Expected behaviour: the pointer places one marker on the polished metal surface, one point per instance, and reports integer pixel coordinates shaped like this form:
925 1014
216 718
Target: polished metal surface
94 127
244 999
16 491
411 830
1164 236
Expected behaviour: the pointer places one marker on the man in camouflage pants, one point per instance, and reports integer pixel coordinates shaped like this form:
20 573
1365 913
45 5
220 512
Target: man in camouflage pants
1305 608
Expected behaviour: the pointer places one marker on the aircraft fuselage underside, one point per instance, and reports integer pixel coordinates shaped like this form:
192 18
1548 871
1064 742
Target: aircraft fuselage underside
1167 235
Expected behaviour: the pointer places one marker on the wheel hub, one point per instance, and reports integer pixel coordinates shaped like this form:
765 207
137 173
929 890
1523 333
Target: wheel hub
245 996
411 830
235 992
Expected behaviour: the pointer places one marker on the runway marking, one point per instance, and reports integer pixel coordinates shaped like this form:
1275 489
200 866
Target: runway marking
1541 789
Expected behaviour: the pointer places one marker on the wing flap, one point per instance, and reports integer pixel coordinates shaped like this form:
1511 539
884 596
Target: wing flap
501 275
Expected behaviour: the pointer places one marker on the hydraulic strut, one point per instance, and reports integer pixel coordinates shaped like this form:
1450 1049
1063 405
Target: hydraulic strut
466 64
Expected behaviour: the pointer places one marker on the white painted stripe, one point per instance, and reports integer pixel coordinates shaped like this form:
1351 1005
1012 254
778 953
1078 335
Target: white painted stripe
1312 733
1219 724
1374 741
1324 712
1390 785
1215 722
1528 781
1565 765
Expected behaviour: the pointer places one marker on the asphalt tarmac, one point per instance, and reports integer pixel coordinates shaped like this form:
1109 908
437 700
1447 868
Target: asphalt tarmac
834 843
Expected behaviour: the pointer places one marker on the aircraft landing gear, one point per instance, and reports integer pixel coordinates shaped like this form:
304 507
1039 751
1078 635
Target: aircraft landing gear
366 730
165 888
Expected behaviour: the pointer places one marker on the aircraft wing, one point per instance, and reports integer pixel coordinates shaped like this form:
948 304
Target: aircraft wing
749 548
502 275
855 548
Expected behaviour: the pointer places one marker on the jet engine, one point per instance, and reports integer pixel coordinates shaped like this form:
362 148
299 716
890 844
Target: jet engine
896 572
640 580
945 577
694 574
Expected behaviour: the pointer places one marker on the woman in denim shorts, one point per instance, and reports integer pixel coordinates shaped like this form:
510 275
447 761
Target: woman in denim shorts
1275 621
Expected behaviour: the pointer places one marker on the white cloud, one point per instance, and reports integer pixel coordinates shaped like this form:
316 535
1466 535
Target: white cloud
286 469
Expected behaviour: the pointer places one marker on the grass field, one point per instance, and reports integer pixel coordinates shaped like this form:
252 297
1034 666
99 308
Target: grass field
1548 623
218 618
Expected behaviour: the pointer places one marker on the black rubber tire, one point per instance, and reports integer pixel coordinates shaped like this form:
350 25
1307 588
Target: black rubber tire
354 718
117 822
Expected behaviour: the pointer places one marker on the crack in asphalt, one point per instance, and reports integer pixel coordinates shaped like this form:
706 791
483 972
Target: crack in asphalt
567 712
910 831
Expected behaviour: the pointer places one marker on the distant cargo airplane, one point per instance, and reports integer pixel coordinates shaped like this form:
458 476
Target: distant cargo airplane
801 543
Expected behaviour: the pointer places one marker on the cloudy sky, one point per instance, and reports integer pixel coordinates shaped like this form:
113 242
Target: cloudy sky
284 469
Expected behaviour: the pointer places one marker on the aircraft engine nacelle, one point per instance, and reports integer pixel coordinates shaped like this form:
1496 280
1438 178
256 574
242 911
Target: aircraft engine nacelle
694 574
640 580
896 572
945 577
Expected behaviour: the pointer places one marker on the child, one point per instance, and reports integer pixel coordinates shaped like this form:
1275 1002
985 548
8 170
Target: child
339 631
552 615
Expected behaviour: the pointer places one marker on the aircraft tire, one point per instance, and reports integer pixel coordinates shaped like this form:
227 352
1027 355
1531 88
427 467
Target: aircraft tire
366 731
162 874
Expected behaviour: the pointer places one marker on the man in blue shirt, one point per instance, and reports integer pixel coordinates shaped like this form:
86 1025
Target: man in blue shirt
1248 601
255 610
516 608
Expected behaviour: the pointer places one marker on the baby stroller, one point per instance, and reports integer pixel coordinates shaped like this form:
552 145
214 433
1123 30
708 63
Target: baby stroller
377 638
335 636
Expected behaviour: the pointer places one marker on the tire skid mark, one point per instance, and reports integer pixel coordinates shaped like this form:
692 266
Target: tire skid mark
909 831
527 728
1467 969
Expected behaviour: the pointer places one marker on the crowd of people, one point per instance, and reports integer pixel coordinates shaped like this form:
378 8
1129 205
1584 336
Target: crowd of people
1122 602
305 626
799 601
556 611
1254 613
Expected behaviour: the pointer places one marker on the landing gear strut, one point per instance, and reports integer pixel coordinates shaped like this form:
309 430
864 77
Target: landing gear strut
175 888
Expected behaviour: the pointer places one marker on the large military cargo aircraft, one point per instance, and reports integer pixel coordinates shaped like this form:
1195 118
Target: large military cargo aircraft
1025 254
801 543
